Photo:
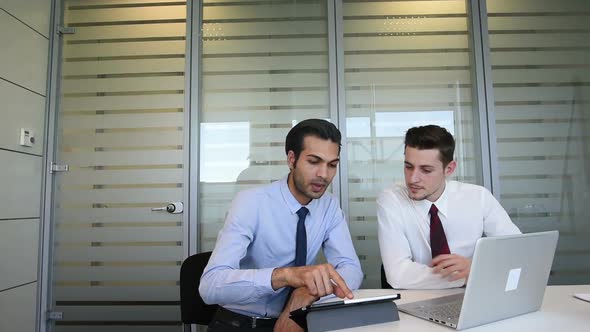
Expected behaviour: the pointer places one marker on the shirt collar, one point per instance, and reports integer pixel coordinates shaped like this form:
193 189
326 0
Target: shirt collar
291 201
441 203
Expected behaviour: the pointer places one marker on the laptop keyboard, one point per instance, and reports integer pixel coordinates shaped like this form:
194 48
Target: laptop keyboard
446 311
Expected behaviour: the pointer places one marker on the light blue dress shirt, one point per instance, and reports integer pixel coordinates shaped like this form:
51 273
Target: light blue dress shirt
259 236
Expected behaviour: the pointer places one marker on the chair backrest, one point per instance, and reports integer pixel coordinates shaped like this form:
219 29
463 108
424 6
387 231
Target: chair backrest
192 308
384 283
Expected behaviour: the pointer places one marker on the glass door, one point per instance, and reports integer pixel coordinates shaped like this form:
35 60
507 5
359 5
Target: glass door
121 130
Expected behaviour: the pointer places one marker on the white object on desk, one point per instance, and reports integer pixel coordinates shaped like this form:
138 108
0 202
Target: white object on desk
359 295
583 297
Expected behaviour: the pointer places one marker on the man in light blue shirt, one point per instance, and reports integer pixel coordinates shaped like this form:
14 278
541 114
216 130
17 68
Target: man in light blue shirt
251 271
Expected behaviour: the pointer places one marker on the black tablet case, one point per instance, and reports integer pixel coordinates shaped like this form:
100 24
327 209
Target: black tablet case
346 316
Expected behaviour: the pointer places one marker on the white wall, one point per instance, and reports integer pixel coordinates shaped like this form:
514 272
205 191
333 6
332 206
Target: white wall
24 36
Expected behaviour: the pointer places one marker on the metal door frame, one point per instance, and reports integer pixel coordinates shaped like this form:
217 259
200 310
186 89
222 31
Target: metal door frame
190 153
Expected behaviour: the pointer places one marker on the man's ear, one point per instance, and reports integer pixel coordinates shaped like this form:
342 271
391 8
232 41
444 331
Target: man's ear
450 168
291 159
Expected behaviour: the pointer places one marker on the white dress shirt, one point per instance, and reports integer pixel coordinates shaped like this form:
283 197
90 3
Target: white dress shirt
466 211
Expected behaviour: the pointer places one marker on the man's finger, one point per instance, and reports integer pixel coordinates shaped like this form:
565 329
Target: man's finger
337 279
450 269
436 260
328 285
458 275
444 264
339 292
310 284
318 279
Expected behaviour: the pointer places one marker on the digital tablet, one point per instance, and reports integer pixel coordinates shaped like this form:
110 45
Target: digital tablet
341 303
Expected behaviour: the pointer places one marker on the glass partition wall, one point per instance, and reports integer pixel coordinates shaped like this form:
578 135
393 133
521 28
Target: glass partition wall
264 68
406 63
540 53
375 68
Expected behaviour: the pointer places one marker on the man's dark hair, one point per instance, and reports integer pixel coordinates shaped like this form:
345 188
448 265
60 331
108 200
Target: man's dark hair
311 127
432 137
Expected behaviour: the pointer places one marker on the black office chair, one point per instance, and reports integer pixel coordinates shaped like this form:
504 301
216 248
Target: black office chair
384 283
192 308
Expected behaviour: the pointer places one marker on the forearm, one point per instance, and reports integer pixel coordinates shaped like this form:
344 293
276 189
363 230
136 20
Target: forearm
225 286
412 275
352 274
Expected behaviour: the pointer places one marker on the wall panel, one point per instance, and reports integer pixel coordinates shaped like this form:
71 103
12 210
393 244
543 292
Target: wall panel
21 185
24 54
18 252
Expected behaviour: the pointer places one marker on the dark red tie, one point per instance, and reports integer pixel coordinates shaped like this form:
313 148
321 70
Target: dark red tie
438 240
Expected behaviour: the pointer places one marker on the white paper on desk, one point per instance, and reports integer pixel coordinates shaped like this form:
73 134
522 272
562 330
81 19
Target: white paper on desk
583 297
359 295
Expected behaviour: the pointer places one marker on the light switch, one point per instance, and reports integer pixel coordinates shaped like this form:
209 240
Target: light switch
27 137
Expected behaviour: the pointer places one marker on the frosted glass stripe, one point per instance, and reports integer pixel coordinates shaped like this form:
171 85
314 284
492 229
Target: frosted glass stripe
536 130
533 6
554 167
115 3
125 102
406 24
122 84
268 81
537 76
129 31
292 11
118 234
263 63
282 45
79 123
110 293
405 60
540 58
538 22
538 40
85 177
119 196
405 42
86 16
113 49
395 8
264 99
123 66
78 311
262 28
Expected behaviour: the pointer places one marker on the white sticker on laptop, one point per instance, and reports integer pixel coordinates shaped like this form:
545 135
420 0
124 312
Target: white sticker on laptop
513 278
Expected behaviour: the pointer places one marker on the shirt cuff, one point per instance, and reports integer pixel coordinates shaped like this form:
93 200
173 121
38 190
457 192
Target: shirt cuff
263 277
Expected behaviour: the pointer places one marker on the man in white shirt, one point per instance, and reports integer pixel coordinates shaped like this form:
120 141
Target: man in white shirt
428 228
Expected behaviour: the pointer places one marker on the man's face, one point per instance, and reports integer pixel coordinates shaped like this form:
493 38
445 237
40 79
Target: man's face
314 170
425 174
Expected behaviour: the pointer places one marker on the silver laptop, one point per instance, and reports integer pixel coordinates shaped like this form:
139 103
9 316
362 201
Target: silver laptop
508 278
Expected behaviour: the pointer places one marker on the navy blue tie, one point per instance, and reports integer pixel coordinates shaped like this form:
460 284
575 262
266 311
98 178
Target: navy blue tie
301 239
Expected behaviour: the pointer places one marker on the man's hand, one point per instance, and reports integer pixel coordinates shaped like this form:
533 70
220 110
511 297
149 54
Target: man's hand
320 280
455 266
299 298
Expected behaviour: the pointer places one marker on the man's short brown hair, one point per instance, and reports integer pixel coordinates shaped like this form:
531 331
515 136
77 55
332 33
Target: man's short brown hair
432 137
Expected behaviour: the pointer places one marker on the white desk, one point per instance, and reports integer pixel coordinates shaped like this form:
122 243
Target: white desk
560 312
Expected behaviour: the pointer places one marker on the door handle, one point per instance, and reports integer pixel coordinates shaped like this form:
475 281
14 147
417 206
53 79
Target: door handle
172 207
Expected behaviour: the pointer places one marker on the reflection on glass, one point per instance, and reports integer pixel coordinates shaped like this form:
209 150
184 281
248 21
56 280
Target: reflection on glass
395 124
225 151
